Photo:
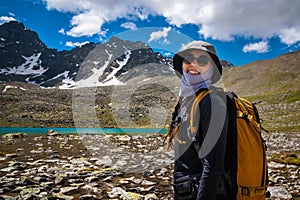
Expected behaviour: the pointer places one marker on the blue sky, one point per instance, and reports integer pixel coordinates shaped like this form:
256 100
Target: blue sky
242 31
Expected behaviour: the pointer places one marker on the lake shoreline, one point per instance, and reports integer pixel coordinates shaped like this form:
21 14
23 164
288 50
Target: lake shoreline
72 130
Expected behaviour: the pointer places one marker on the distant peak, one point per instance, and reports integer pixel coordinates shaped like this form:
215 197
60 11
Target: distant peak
13 24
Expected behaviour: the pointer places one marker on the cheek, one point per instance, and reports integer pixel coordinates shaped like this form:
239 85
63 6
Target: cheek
184 67
203 69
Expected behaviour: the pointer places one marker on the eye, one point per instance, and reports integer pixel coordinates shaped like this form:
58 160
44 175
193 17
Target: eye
188 59
203 60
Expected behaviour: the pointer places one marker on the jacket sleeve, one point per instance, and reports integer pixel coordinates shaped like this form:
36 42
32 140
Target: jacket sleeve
212 134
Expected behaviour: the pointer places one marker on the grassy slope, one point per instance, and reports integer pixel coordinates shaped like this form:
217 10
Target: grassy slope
276 83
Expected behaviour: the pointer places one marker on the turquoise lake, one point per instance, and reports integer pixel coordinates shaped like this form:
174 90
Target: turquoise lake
4 130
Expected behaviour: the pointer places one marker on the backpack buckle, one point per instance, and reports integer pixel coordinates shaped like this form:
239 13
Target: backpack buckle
245 191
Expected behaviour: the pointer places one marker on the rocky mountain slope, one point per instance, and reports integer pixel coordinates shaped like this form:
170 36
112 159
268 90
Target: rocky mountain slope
27 59
276 84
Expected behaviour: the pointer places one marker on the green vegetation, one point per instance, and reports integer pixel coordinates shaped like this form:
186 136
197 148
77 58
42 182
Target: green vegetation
289 157
293 96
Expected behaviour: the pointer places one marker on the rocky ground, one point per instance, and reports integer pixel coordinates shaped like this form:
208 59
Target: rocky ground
54 166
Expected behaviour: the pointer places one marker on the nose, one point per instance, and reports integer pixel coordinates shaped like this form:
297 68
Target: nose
194 61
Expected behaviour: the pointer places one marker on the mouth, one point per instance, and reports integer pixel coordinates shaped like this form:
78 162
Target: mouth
192 72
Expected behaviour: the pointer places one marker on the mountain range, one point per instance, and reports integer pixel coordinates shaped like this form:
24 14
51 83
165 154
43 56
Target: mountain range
26 58
34 79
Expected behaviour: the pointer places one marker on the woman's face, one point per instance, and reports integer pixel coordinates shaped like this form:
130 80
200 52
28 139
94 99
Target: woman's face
196 62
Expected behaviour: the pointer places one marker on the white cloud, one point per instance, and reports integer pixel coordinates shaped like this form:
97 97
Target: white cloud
90 16
290 35
86 24
75 44
62 31
221 20
129 25
154 36
65 6
168 54
259 47
4 19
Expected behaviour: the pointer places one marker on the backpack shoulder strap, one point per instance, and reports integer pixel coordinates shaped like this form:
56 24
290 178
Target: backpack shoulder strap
193 127
198 99
200 96
193 123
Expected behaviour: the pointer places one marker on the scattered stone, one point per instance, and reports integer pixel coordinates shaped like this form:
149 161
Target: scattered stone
60 196
68 190
87 197
131 196
151 197
141 189
20 149
116 192
8 169
25 181
30 191
54 190
279 193
107 179
147 183
12 155
60 179
14 135
54 156
52 133
91 179
40 179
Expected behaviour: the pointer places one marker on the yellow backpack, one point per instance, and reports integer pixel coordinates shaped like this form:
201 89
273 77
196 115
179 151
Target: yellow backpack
245 150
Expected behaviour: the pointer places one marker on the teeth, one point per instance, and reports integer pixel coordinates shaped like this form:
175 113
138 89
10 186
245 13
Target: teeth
193 72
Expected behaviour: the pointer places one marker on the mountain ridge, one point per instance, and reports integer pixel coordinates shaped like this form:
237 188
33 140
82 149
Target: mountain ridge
28 59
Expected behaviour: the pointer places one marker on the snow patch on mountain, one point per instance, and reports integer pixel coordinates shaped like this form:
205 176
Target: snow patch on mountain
68 83
31 66
111 78
64 74
10 86
93 80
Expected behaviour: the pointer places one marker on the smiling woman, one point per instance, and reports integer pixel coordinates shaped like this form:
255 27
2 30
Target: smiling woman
199 174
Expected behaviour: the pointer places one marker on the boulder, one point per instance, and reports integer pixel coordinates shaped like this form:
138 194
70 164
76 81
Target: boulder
52 133
14 135
278 192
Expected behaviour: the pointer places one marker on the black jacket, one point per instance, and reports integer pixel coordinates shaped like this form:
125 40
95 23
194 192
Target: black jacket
211 135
